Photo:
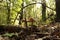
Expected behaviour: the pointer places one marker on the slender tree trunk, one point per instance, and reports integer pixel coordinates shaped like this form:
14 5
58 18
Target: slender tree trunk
44 10
21 14
57 10
8 13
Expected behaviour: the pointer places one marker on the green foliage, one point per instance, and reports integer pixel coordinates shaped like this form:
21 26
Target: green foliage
50 4
32 11
15 7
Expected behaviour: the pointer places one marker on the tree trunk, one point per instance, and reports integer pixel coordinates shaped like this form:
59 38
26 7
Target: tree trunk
57 10
21 14
44 10
8 13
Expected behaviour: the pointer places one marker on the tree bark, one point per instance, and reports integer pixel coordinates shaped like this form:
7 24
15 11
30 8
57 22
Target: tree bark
8 13
21 14
44 10
57 10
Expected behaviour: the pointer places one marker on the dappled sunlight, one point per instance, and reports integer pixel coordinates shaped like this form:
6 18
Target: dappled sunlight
16 22
24 3
47 0
38 5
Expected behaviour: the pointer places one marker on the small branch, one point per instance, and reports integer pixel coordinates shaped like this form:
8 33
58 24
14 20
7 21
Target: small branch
38 3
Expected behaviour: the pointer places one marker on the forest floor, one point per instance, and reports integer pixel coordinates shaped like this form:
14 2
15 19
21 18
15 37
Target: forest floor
31 34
